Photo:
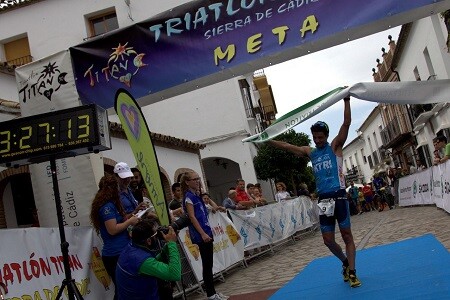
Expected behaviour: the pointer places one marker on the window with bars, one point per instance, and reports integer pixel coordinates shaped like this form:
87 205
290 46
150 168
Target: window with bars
17 52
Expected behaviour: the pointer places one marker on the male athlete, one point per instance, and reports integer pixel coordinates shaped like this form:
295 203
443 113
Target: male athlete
326 160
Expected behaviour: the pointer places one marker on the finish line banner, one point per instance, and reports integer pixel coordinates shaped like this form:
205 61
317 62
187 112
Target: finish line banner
203 42
405 92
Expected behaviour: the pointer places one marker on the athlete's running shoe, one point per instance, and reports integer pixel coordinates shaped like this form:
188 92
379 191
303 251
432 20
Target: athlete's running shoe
354 281
345 273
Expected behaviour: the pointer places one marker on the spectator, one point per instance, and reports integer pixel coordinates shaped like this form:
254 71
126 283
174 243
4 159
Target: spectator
439 143
412 168
177 196
447 153
259 198
353 190
303 191
368 196
421 166
250 189
230 202
361 200
200 230
400 172
281 193
176 204
108 218
141 264
242 197
378 183
258 186
129 203
137 185
210 204
393 177
405 171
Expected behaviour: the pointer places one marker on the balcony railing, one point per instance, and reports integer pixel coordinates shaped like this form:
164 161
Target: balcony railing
383 154
395 129
20 61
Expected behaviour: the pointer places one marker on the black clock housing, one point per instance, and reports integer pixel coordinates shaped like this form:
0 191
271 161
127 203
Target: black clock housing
57 134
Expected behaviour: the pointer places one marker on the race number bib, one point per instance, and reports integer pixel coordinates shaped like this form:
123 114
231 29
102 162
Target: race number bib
326 207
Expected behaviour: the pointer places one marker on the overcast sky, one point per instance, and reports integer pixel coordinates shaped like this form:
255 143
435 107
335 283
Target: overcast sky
300 80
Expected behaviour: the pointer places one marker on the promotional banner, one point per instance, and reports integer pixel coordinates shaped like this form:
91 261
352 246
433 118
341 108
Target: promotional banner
412 92
275 222
44 86
228 245
202 42
31 263
138 135
430 186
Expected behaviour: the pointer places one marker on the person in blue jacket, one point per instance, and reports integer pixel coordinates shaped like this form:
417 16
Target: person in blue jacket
141 263
200 230
109 219
327 163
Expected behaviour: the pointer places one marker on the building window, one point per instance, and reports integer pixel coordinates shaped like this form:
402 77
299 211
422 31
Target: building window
369 158
430 67
246 98
363 156
416 74
104 23
17 52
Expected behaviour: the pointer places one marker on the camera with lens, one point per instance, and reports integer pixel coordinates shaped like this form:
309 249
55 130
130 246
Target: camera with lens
180 223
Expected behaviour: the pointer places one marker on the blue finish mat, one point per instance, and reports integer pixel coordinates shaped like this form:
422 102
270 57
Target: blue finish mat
417 268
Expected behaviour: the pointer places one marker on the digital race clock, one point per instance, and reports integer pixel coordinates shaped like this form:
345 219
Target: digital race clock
63 133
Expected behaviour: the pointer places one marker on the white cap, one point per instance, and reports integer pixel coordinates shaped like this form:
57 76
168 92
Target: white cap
123 170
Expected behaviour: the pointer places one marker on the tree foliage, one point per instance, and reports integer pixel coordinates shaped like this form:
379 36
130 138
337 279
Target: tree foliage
280 165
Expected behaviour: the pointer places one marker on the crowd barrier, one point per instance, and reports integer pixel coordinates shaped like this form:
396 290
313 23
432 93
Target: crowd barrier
272 223
31 263
429 186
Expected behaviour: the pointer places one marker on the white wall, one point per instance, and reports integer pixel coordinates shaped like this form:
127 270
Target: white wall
208 112
425 33
429 33
8 88
370 126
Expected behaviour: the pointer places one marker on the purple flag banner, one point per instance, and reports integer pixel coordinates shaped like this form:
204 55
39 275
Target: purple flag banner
203 42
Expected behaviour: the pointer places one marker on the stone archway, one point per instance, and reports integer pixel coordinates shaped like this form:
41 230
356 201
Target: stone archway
4 180
221 174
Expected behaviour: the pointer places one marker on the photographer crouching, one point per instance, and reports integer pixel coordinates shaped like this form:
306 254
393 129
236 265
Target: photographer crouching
141 264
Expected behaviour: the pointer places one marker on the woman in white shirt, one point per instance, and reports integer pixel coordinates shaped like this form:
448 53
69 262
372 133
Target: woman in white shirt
281 192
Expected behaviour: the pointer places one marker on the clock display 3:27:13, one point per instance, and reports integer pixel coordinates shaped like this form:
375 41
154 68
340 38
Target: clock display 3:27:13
50 131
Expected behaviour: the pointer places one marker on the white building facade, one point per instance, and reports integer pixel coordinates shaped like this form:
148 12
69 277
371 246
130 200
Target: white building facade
220 115
402 135
364 156
425 57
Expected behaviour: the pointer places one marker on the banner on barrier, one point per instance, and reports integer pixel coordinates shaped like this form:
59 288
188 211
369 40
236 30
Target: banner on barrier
228 245
430 186
31 264
275 222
